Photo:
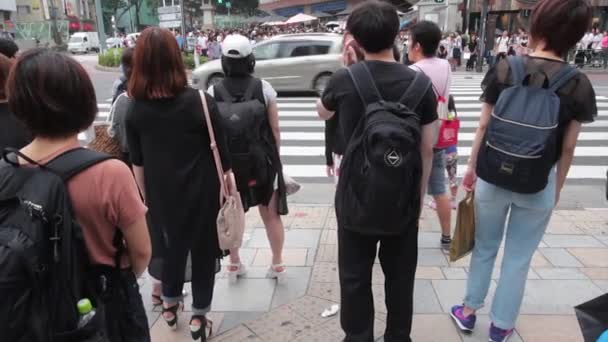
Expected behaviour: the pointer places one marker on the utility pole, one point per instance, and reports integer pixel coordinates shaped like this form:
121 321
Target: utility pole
465 16
482 43
100 25
54 30
183 15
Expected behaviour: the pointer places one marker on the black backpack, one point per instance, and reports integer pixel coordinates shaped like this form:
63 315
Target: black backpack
520 146
43 261
379 188
245 121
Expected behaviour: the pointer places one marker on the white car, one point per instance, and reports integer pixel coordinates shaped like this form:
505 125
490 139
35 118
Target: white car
113 42
84 42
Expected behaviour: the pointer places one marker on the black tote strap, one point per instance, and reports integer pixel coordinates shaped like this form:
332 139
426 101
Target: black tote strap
416 91
74 161
563 76
364 83
518 69
119 244
222 91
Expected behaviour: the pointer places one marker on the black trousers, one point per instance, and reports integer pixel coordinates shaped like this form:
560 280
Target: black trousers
201 243
398 258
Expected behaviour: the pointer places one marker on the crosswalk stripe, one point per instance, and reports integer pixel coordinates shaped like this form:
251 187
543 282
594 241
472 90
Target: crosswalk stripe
303 138
318 171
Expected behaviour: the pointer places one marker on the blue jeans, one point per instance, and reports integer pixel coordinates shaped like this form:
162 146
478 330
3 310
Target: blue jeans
525 217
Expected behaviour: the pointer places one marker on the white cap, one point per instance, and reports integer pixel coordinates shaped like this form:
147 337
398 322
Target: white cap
236 46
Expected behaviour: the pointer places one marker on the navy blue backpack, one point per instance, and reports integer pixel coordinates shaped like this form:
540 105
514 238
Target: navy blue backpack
520 146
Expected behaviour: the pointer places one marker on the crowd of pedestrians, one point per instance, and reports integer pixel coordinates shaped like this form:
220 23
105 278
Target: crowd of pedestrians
155 205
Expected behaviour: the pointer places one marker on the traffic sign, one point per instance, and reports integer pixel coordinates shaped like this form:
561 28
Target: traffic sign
228 5
169 9
169 17
170 24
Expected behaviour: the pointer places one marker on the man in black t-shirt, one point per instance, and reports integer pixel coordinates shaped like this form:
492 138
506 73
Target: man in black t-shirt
374 26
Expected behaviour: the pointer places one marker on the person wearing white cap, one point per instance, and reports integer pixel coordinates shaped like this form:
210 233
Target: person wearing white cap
250 116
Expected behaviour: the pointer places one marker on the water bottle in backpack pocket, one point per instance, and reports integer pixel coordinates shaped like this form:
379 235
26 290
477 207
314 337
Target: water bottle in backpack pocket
520 146
379 187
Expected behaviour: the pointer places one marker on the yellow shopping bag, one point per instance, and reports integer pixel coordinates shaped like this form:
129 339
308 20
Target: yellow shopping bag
464 234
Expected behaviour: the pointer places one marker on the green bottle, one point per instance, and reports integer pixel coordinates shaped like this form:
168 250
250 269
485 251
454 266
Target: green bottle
86 311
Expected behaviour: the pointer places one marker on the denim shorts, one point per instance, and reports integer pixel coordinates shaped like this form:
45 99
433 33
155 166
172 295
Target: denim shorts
437 180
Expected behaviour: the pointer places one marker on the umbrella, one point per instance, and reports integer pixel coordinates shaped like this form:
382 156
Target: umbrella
300 18
593 317
321 15
273 23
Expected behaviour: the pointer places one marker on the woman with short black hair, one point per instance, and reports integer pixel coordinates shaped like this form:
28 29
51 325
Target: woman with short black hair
556 26
12 132
173 163
53 96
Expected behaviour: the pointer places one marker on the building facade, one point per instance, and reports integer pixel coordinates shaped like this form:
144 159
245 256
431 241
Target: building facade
288 8
446 14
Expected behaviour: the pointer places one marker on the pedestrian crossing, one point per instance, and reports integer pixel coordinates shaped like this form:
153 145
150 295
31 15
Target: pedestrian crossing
303 147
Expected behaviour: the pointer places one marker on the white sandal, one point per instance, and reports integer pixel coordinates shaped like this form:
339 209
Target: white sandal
281 277
233 275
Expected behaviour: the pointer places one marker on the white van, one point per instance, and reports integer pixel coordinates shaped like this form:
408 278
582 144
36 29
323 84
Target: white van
84 42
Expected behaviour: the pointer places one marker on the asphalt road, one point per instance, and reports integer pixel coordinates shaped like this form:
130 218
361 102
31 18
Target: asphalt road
577 194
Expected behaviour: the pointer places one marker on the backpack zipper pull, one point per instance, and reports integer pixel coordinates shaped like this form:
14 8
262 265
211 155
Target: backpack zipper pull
55 238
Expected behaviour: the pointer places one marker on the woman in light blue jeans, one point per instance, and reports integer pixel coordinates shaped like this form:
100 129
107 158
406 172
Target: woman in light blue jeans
522 218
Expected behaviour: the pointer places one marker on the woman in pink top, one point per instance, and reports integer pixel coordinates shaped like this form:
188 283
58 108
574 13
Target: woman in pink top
53 96
605 49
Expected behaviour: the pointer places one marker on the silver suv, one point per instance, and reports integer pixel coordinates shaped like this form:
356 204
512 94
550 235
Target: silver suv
294 62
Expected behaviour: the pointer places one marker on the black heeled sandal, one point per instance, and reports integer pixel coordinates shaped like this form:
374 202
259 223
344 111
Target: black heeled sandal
172 323
198 332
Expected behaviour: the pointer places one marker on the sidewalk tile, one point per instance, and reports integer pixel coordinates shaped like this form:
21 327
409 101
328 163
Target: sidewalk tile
233 319
311 308
425 299
559 257
560 273
280 325
334 328
431 257
327 253
247 255
562 225
329 237
591 257
429 240
310 257
294 287
598 228
454 272
496 273
291 257
596 273
451 292
462 262
304 220
239 334
329 291
308 238
429 272
549 328
325 272
481 332
603 239
379 298
569 241
319 334
602 284
557 297
433 328
331 224
245 295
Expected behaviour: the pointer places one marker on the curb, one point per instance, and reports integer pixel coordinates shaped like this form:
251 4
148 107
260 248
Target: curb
106 69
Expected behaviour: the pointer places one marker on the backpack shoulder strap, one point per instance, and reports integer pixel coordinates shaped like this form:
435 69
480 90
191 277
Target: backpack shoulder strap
364 83
252 87
415 92
72 162
565 74
518 69
220 89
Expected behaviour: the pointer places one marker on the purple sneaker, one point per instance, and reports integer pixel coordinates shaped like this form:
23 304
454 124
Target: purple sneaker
465 323
499 335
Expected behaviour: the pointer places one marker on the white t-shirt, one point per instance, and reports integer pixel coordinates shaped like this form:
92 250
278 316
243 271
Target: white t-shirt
202 41
270 95
597 41
503 44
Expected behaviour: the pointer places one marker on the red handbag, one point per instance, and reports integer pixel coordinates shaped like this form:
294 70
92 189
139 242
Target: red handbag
448 133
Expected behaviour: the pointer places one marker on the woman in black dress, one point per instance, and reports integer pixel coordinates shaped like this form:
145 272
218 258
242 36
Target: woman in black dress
173 164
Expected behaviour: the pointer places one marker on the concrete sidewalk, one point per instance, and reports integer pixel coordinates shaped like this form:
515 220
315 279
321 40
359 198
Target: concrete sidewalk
569 268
